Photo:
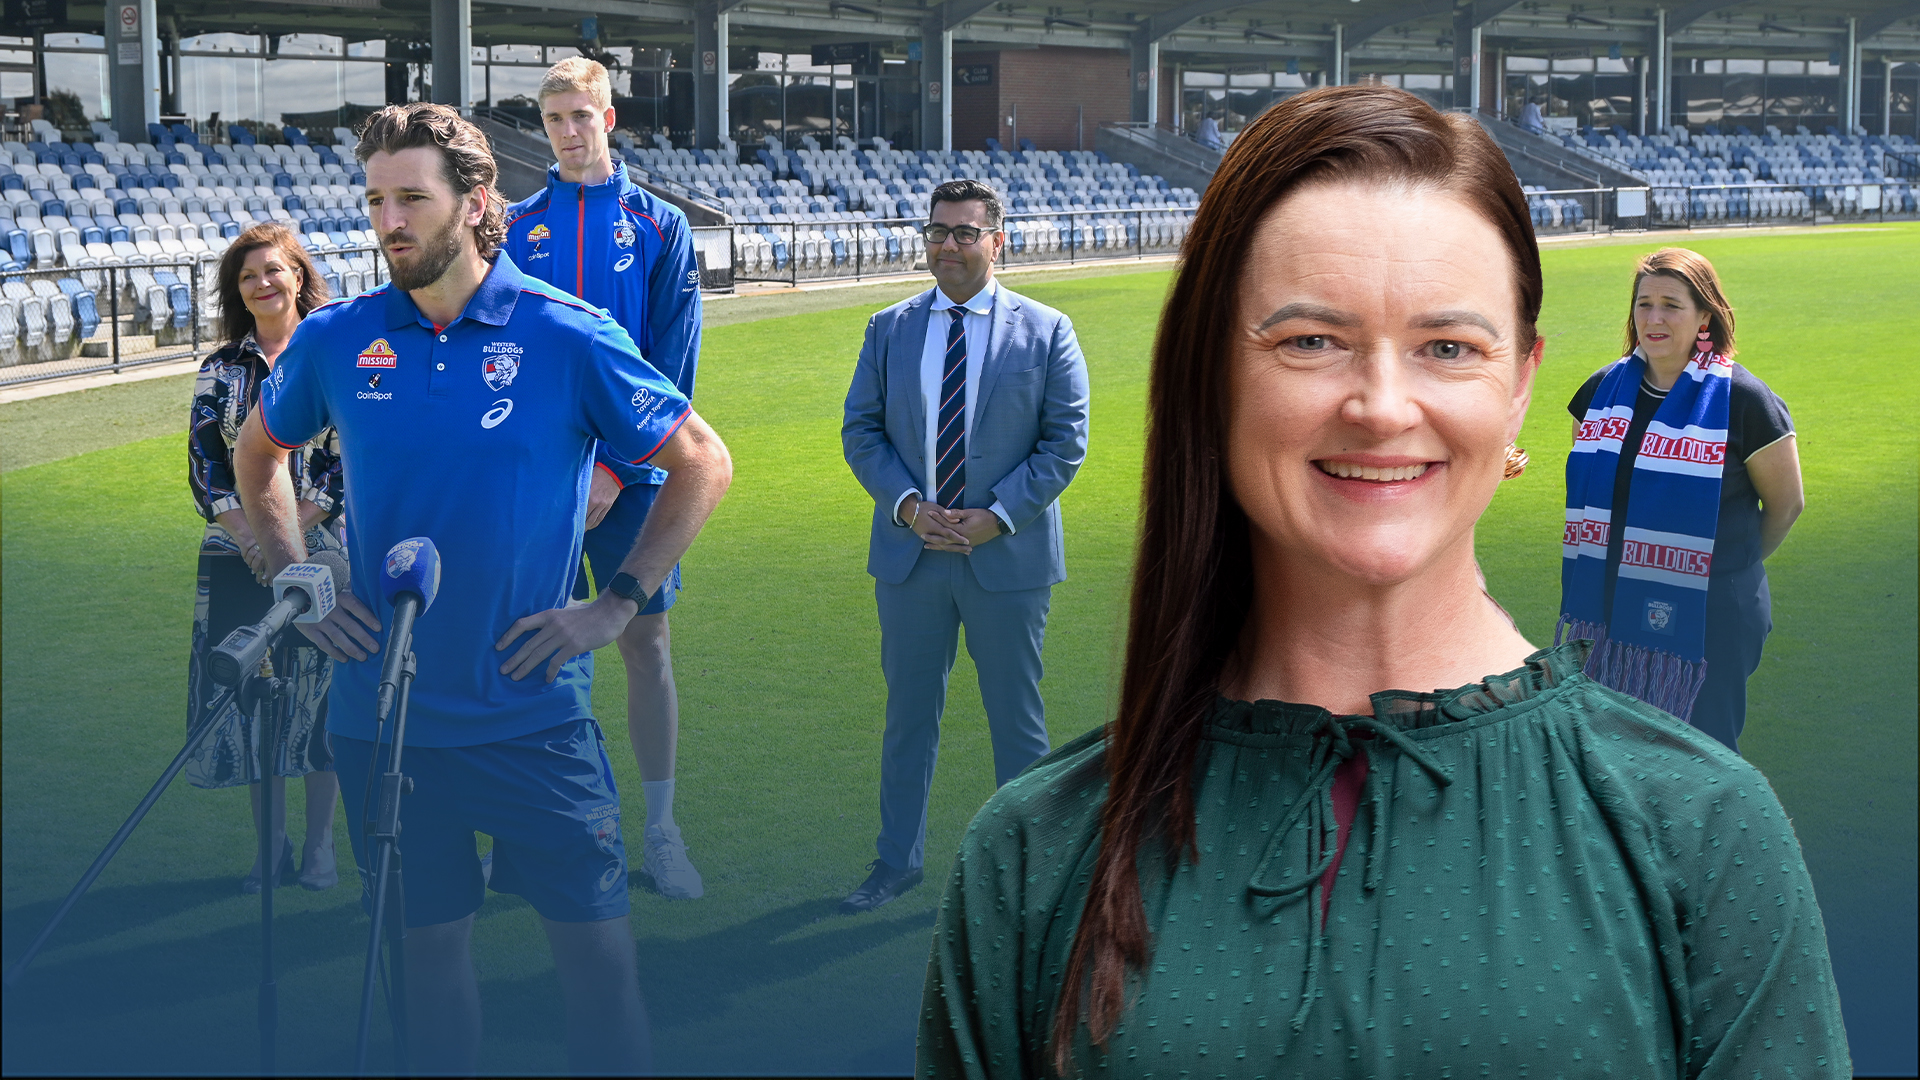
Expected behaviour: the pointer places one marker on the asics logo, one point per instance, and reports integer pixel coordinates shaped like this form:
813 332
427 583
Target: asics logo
492 417
625 261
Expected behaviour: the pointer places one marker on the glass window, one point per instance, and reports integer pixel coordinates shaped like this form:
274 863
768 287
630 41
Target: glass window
84 75
1423 82
76 41
1204 78
227 87
367 48
1259 79
1745 67
1609 66
1786 67
221 43
1709 67
1526 63
309 45
1821 67
1573 64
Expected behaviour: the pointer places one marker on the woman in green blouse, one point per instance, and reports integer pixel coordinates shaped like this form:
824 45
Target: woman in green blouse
1273 862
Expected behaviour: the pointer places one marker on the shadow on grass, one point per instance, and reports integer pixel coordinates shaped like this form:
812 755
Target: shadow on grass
103 912
694 982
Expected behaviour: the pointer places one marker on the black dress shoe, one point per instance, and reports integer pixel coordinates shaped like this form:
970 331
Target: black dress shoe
882 885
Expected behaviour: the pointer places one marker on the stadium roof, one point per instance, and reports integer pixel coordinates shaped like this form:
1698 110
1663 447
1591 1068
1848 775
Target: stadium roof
1409 33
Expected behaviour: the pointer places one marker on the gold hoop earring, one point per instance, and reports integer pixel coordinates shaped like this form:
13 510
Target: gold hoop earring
1516 462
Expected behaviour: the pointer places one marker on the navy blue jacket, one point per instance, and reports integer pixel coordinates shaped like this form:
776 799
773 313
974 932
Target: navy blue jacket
618 247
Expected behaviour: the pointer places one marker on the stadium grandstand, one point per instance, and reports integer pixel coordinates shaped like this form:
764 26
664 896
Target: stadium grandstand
803 138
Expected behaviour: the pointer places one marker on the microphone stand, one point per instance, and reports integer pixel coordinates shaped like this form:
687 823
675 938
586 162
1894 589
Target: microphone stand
195 737
270 699
389 893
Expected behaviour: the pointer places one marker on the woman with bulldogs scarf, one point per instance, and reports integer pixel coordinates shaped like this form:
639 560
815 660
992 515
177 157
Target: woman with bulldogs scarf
1694 459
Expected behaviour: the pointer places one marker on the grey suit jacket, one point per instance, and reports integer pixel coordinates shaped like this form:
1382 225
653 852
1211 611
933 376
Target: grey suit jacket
1029 436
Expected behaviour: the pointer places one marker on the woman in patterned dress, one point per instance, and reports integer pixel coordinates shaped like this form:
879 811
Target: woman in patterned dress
267 285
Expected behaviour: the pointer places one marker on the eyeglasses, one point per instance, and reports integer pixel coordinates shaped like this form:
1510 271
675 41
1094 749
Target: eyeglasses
965 235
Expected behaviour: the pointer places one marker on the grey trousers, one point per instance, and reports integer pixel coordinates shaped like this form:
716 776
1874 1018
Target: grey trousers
920 620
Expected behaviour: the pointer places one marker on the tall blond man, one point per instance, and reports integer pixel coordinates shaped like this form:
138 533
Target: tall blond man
603 238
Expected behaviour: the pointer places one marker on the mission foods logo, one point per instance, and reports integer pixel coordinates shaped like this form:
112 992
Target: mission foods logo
378 355
540 232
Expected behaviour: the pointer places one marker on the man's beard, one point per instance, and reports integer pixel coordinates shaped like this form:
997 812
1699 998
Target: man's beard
431 257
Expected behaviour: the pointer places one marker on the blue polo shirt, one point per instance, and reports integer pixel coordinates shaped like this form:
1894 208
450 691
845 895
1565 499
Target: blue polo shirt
479 435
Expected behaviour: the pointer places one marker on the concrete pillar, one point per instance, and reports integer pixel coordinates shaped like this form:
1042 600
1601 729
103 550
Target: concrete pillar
1886 96
1850 79
1146 79
1464 68
1337 61
709 68
133 66
1662 74
452 52
1640 66
936 85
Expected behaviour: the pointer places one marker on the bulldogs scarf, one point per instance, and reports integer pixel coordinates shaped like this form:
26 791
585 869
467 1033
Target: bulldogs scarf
1652 644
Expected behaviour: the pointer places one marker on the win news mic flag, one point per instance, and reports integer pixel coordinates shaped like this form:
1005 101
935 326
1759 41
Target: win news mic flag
308 592
409 580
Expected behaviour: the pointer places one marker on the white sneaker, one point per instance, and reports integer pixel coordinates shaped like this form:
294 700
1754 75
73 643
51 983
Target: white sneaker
665 861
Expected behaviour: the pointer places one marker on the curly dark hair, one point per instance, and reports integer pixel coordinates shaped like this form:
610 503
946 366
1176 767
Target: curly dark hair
465 154
236 321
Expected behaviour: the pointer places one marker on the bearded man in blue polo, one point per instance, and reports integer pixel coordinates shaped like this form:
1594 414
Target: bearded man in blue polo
469 399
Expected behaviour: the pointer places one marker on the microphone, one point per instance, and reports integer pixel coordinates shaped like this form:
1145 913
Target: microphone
410 580
308 592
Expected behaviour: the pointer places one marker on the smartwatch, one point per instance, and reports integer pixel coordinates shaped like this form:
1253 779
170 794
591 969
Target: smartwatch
625 584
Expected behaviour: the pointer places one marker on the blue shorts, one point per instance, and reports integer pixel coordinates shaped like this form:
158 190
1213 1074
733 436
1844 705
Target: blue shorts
608 543
548 800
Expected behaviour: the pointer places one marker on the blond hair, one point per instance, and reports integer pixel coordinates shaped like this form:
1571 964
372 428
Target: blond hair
582 74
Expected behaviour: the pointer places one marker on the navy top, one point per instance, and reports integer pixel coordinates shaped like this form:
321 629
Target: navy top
1756 419
479 435
618 247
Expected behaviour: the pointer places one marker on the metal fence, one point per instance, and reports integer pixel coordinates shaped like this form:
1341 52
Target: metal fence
87 320
854 248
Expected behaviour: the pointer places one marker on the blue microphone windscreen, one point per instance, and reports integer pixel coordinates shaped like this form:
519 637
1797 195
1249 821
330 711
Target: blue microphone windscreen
413 566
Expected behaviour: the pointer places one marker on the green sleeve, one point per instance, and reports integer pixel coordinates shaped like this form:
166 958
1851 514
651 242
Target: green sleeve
1007 918
1760 996
969 1014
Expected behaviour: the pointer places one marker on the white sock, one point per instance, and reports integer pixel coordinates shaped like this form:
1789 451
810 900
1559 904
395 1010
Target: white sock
659 795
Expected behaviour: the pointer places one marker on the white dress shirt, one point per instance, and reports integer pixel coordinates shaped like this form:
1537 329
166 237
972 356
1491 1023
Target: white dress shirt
933 367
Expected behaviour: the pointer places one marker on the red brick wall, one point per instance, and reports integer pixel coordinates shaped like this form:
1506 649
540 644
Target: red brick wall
976 109
1050 89
1056 88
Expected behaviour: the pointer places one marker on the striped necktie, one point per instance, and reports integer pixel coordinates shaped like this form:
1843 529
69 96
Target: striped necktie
950 444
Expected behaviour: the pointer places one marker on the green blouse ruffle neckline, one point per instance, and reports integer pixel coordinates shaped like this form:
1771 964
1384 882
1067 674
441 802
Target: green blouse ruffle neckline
1408 710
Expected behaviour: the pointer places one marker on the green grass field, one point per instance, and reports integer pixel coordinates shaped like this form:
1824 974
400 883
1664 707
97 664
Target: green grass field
776 647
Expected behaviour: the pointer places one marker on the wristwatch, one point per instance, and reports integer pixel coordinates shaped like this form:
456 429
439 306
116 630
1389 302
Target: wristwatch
625 584
1001 524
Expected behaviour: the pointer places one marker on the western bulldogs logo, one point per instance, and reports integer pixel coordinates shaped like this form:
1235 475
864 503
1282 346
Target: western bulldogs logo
623 234
499 363
606 837
400 559
1660 617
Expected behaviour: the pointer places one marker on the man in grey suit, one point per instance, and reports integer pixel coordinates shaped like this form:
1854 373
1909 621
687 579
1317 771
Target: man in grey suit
966 420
